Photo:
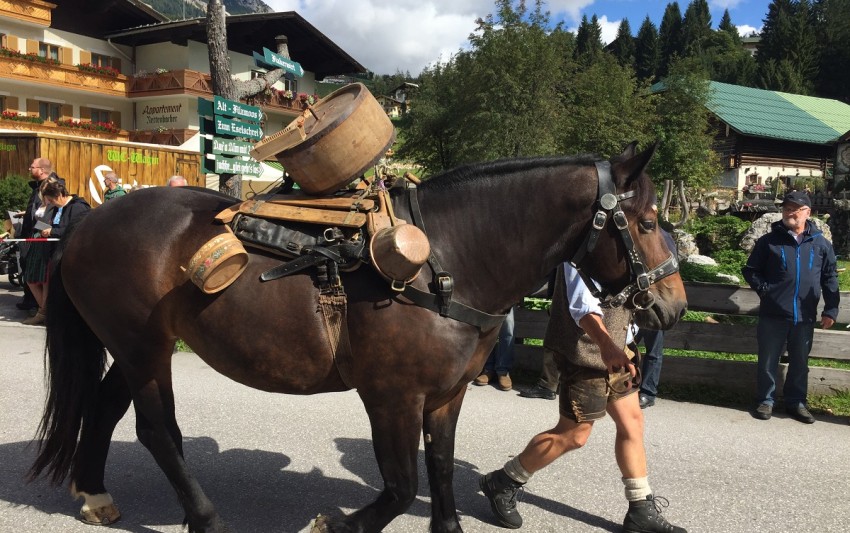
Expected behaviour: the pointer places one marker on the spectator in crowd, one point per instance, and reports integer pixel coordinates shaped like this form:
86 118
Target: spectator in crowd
650 366
596 377
498 366
34 255
789 267
177 181
113 187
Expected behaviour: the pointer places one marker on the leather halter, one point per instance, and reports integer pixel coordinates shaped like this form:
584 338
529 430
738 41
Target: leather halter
608 202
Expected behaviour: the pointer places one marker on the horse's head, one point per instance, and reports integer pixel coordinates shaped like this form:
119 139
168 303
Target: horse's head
626 250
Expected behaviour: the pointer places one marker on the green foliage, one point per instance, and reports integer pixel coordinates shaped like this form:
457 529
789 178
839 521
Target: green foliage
788 54
670 42
498 99
604 109
646 50
623 46
833 38
717 233
14 194
685 151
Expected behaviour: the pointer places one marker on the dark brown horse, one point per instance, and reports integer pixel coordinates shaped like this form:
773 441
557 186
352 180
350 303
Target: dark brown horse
498 228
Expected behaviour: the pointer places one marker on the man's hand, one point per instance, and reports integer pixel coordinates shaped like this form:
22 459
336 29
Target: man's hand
616 359
613 356
826 322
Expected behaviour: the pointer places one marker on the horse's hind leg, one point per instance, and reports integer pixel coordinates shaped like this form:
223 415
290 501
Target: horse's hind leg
439 429
157 430
113 399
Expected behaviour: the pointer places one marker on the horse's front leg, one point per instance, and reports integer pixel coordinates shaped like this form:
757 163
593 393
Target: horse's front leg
396 426
87 473
439 430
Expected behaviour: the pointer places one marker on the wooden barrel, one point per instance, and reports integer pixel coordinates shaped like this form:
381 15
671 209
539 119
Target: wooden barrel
345 133
218 263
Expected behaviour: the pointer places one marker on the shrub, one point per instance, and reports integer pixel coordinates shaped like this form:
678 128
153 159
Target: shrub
14 194
715 234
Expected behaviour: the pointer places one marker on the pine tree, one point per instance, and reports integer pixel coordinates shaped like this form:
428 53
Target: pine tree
646 51
669 38
589 39
788 56
696 28
727 26
833 32
623 47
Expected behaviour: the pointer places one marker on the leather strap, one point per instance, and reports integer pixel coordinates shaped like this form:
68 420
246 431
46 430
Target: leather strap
442 302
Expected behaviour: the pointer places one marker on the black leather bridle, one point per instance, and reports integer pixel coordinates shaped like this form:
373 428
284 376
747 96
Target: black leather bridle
608 204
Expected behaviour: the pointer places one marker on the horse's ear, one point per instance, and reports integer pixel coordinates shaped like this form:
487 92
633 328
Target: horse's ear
632 167
629 150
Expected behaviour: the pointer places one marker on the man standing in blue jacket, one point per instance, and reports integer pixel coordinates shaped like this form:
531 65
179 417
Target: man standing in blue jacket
789 267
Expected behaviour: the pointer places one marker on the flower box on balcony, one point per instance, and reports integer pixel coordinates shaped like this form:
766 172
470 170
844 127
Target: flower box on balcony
13 115
102 127
34 58
95 69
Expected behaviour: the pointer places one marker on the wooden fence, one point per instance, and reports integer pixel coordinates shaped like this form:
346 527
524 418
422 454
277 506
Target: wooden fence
732 375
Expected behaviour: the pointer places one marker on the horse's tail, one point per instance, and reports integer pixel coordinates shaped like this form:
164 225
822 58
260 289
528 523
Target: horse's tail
75 360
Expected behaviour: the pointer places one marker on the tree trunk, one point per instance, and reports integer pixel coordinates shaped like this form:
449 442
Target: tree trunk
223 83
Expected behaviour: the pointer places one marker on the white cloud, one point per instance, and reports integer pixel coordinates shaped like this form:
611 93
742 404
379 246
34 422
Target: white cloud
609 28
745 30
724 4
386 36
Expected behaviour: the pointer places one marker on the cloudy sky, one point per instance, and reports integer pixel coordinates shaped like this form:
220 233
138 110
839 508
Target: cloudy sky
387 36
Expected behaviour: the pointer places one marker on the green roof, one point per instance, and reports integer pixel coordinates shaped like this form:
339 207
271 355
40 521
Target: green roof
776 115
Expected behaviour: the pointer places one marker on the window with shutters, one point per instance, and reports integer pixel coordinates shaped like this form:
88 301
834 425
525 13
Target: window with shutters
49 111
101 115
50 51
100 60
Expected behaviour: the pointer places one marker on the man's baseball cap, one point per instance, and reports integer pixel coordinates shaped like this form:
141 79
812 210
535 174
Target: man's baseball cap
797 197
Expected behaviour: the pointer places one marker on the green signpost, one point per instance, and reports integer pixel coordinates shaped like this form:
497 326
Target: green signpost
221 120
270 60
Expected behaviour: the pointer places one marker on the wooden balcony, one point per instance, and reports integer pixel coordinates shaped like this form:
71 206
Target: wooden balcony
170 83
51 127
33 11
61 76
191 82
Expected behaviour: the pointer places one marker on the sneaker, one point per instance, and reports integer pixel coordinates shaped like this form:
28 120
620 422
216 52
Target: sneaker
763 412
538 392
484 378
645 517
505 382
502 492
801 413
646 401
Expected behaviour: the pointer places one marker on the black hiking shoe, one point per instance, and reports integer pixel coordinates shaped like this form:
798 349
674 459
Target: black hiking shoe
502 492
538 392
645 517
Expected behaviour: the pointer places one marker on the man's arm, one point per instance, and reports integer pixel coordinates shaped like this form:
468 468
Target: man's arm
753 271
587 313
829 288
612 355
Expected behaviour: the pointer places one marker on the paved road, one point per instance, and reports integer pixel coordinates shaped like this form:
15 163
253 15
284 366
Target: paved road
272 462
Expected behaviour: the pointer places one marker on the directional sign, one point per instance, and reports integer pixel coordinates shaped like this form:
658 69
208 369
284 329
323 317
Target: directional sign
223 126
229 108
219 145
271 60
228 165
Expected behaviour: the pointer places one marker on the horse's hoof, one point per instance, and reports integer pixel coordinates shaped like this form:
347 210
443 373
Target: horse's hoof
101 516
320 525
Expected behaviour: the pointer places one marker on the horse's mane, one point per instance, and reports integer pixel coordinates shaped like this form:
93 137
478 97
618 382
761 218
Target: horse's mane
471 173
641 203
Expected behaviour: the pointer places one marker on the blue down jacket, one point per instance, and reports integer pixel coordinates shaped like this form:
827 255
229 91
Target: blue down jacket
789 277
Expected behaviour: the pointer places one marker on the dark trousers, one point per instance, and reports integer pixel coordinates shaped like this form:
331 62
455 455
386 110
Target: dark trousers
650 368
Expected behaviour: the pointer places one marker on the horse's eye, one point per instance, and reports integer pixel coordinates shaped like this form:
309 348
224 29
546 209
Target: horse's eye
647 225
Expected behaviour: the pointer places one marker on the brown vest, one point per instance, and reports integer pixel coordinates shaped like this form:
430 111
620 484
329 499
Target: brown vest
564 336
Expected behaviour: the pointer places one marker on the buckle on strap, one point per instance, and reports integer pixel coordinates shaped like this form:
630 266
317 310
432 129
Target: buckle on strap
599 220
445 285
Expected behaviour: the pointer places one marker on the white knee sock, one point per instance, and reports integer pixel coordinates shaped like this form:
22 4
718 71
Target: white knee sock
637 488
515 471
